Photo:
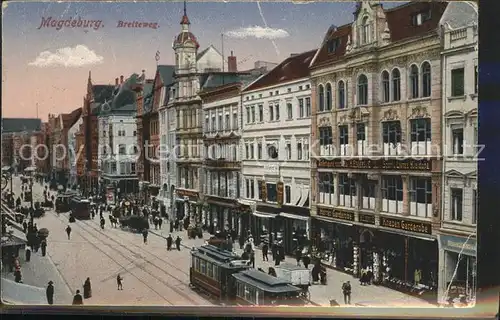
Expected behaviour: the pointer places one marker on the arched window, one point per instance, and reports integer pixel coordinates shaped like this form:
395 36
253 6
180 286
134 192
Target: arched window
321 98
341 94
396 85
414 81
362 90
365 29
328 96
426 79
385 87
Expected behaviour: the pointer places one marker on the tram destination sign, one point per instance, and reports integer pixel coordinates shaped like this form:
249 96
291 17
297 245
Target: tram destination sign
336 214
381 164
417 227
366 218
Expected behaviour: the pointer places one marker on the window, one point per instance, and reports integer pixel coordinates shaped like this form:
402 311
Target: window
308 107
252 189
299 150
333 44
271 113
362 90
326 187
276 92
368 194
341 94
277 113
288 194
289 90
247 151
288 151
252 110
272 151
414 82
272 195
396 85
391 135
259 150
135 133
248 114
421 197
365 29
457 136
347 191
475 79
420 136
227 124
235 121
122 149
456 204
426 79
361 138
261 113
392 194
385 87
207 124
307 86
203 267
325 141
344 140
301 108
210 270
251 146
306 150
457 82
259 189
247 185
321 98
474 206
289 111
328 96
419 18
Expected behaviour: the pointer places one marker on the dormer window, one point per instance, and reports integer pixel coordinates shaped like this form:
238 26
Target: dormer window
365 29
419 18
333 44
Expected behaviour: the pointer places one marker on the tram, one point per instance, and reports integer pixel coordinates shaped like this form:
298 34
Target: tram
80 208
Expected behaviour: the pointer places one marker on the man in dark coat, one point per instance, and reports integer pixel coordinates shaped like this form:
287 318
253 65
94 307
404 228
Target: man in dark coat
43 245
178 243
78 299
25 226
50 293
169 242
68 232
160 222
103 222
119 282
87 289
28 254
145 235
346 290
265 249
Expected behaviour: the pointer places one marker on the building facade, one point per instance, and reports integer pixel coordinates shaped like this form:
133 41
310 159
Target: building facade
73 152
376 110
457 238
276 117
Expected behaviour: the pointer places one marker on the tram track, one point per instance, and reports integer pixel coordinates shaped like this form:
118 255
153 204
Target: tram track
131 261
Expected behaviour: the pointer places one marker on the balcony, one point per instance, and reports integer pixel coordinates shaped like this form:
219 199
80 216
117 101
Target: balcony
220 136
190 132
222 164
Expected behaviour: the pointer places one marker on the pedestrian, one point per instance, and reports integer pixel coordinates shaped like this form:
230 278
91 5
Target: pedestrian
298 256
17 275
346 290
119 282
274 249
171 226
155 222
93 214
252 258
25 226
103 222
265 249
77 299
307 260
160 222
87 289
28 254
145 235
178 243
35 228
169 242
68 232
43 245
50 293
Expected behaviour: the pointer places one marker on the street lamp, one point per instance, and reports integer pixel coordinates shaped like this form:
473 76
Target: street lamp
32 211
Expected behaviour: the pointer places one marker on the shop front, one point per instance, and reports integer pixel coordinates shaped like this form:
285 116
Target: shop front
262 224
293 224
187 204
221 214
457 276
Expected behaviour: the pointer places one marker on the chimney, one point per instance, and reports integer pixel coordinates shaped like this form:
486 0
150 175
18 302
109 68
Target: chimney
116 81
121 79
231 63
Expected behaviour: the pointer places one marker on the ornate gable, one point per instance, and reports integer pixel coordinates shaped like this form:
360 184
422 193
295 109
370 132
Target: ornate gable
367 27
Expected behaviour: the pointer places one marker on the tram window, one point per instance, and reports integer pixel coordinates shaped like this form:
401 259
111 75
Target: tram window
240 290
249 293
198 264
193 262
216 273
210 270
203 267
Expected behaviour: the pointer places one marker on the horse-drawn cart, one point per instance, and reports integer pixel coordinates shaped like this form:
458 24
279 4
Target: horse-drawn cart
298 276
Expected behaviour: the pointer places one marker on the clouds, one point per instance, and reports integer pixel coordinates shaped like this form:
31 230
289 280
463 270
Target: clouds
78 56
258 32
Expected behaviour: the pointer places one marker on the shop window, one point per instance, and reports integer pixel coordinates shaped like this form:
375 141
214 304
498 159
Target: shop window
396 85
421 197
325 141
414 90
457 139
457 82
386 93
392 194
361 138
368 189
420 136
301 108
347 191
288 194
391 136
326 186
426 79
462 269
272 195
344 140
474 206
457 195
321 98
362 90
341 95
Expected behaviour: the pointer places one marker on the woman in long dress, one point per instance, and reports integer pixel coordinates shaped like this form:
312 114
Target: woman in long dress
87 289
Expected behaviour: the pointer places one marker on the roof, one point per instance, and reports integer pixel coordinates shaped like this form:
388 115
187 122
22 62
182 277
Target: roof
166 74
292 68
399 22
69 119
20 293
125 98
460 14
216 79
264 281
202 52
185 36
21 124
102 92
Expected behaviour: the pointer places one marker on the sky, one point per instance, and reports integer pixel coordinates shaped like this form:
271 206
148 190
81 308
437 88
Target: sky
45 69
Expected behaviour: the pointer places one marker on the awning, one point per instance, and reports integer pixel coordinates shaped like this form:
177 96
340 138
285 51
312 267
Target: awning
293 216
30 169
333 221
12 241
5 168
19 293
264 215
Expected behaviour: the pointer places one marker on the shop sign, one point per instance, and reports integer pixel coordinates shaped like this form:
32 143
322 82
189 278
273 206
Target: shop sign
279 191
222 164
336 214
458 244
366 218
186 193
263 189
221 201
382 164
417 227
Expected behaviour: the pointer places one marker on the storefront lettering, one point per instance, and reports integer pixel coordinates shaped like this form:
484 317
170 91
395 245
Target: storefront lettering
417 227
366 218
279 191
336 214
385 164
459 244
187 193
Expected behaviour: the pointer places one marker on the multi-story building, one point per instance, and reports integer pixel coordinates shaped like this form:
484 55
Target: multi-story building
73 152
16 141
376 130
39 153
7 149
276 117
457 238
21 150
117 131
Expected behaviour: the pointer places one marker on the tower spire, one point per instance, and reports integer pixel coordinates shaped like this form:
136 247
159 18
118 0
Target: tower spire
185 19
185 8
